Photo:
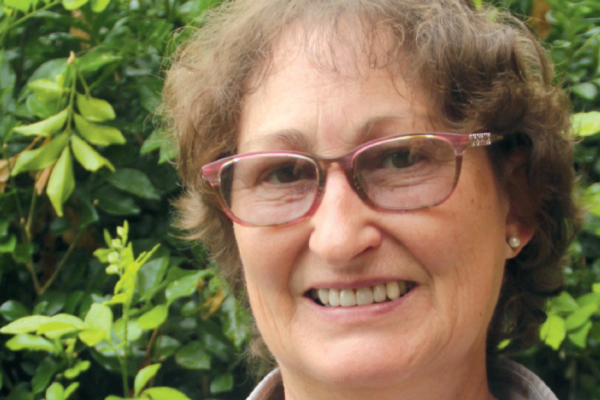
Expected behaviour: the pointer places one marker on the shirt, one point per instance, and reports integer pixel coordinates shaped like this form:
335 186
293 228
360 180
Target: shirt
507 380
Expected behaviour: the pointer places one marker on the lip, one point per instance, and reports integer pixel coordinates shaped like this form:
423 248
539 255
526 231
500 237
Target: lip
359 314
356 284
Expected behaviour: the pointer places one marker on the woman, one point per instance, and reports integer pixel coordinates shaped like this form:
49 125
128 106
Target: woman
380 262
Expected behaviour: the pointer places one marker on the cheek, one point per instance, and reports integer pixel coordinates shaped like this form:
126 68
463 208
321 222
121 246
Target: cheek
268 256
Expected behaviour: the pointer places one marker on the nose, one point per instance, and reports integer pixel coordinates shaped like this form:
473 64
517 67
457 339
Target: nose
344 227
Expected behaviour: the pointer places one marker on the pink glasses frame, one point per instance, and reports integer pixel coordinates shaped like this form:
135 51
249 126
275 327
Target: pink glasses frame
212 172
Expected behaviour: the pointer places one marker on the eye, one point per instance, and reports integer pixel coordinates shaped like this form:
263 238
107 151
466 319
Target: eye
402 158
288 174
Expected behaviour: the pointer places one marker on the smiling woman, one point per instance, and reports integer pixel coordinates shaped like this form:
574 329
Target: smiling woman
390 181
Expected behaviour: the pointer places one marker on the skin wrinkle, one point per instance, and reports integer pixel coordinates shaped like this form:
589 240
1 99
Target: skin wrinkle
345 240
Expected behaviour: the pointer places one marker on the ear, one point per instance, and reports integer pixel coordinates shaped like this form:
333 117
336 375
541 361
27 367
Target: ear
516 229
519 229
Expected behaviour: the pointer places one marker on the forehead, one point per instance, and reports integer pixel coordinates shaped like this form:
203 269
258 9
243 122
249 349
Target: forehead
322 89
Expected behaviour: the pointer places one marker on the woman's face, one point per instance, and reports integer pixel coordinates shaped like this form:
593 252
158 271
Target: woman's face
452 254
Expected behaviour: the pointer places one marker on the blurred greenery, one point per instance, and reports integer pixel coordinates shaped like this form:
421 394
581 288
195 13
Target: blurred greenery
90 306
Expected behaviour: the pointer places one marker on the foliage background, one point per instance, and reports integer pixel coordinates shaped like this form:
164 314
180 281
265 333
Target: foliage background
91 71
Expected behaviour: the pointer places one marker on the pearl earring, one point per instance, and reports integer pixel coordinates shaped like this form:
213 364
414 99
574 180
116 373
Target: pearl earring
514 242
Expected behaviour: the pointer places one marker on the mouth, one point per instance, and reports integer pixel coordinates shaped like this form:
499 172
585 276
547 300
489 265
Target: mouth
363 296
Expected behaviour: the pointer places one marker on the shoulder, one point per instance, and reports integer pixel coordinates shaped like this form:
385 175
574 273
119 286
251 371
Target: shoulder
269 388
511 381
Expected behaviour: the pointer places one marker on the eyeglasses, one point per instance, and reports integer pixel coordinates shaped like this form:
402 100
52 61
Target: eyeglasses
399 173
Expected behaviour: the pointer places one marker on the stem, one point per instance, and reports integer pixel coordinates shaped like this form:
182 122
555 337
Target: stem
593 367
125 352
148 357
27 230
12 181
573 380
85 86
123 363
29 221
63 262
71 61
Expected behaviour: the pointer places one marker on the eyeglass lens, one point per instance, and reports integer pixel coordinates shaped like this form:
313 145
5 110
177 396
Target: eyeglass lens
401 174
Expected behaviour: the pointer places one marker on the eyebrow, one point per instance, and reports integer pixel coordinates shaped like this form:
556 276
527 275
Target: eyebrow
294 139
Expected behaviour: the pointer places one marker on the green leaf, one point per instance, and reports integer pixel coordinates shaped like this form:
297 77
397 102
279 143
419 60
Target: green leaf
80 367
193 356
44 374
596 287
588 298
54 70
71 389
115 202
73 5
586 124
120 398
46 90
564 302
56 391
164 393
61 182
587 91
42 157
99 135
222 383
25 324
20 392
8 244
95 110
150 276
12 310
183 287
579 337
99 5
236 325
46 127
153 142
144 376
154 318
4 224
134 331
87 156
580 317
23 252
21 5
553 331
87 213
133 181
26 341
99 318
94 60
57 329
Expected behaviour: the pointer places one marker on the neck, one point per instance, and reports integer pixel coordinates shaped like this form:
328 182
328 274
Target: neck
466 380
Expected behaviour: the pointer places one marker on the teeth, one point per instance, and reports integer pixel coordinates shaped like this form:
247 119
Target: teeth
393 290
379 294
364 296
323 295
347 298
361 296
334 297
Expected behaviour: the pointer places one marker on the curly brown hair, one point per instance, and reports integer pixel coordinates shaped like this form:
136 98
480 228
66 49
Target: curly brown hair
484 72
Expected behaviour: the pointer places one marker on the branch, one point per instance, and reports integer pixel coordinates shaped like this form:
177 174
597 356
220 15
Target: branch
63 262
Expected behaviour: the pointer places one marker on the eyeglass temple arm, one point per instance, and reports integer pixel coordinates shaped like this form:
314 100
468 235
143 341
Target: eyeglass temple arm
483 139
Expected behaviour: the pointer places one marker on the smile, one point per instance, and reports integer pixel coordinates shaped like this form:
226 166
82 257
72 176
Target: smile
362 296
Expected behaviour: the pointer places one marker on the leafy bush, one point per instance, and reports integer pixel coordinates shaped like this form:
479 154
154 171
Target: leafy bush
90 306
79 82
